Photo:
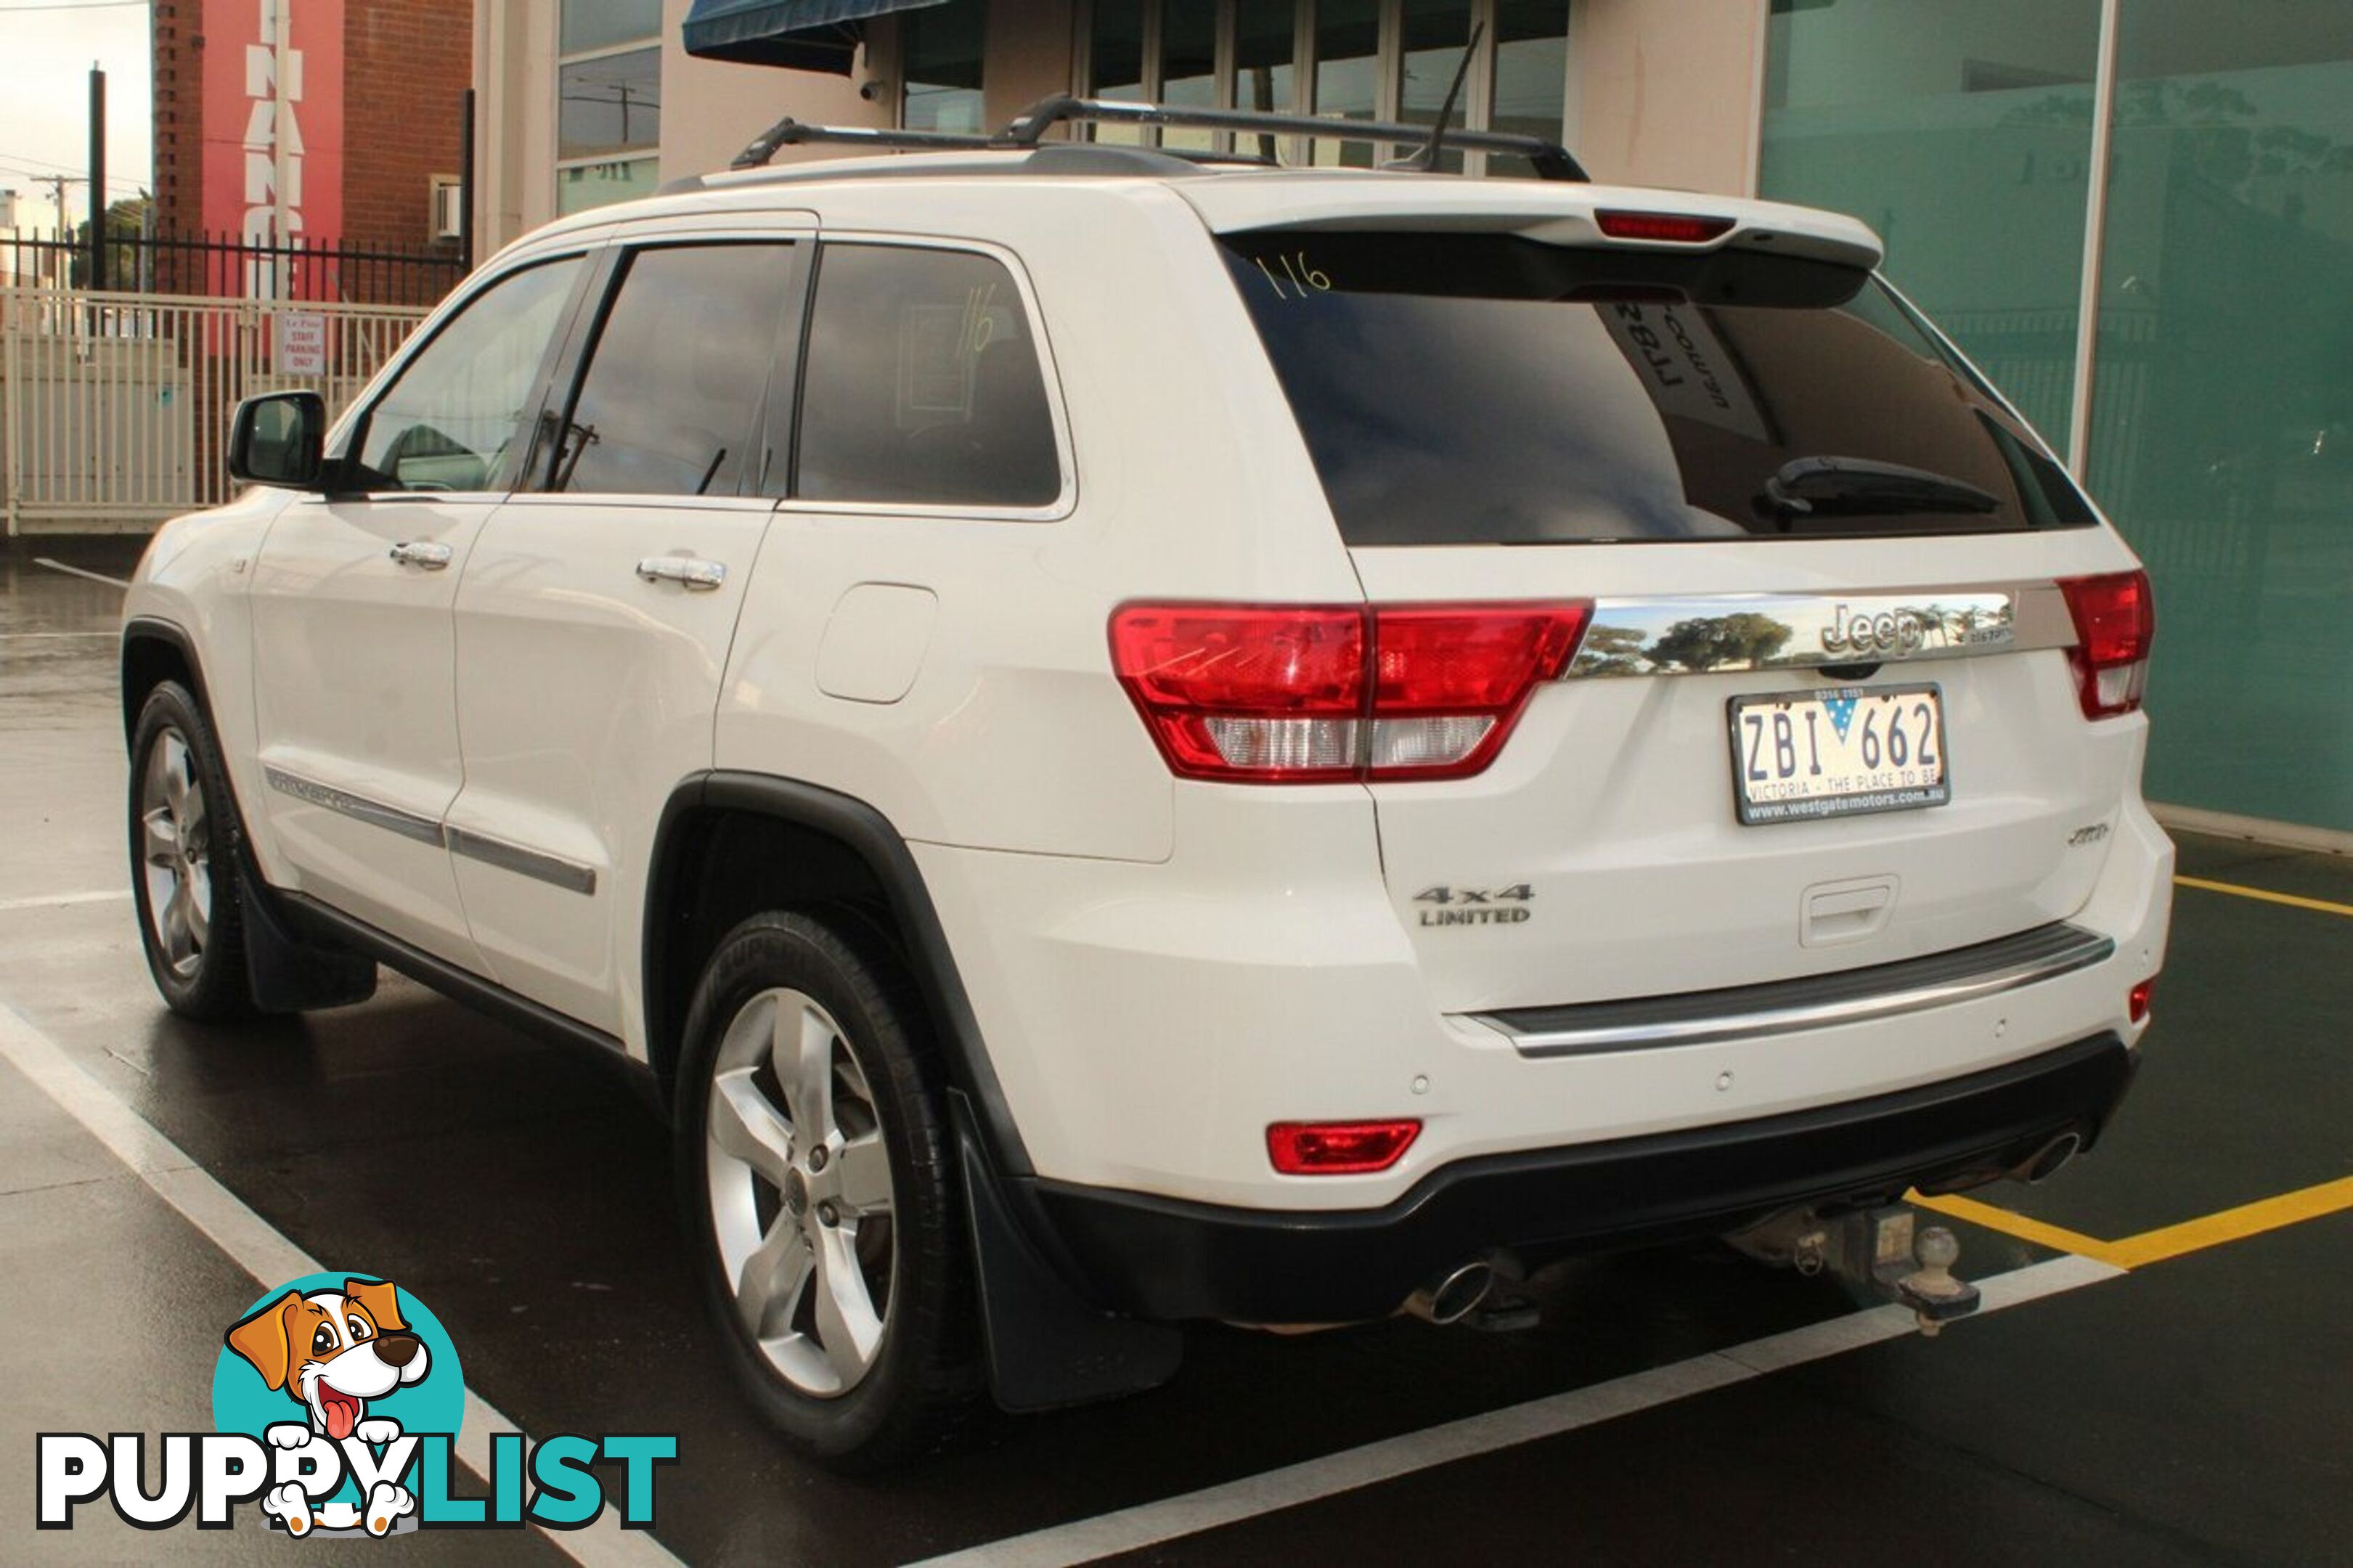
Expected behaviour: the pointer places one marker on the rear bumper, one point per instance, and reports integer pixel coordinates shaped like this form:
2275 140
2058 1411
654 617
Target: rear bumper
1165 1258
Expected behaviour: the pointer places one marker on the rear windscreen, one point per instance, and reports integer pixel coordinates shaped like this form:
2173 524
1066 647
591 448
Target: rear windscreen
1490 389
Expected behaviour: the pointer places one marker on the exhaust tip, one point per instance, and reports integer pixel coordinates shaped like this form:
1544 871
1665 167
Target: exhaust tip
1452 1297
2046 1162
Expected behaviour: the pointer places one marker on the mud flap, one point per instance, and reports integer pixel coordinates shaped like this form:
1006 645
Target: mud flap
289 974
1047 1349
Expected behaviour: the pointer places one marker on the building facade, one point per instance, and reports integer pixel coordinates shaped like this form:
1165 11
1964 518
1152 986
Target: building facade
323 122
2136 213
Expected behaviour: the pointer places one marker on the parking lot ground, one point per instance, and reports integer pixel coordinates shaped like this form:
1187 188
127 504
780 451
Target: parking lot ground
2193 1408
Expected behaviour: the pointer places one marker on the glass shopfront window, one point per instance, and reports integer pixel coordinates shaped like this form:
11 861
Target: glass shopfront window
1350 59
1188 64
1347 72
1266 34
2223 399
1115 61
1531 94
941 45
1432 35
2217 429
1963 135
608 103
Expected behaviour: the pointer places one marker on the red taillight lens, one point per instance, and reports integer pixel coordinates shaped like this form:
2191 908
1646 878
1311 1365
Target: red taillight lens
1674 228
1338 1148
1236 693
2137 1000
1315 694
2116 622
1449 682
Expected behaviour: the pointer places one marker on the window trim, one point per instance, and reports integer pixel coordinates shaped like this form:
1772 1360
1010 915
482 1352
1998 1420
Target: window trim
586 329
1066 499
346 440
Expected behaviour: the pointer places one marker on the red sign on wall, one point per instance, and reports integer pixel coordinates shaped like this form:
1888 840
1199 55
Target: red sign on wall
273 122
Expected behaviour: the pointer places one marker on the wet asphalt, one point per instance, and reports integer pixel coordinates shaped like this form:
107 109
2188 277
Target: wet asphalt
2198 1409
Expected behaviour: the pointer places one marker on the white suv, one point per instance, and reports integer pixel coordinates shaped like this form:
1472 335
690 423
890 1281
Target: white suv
1121 737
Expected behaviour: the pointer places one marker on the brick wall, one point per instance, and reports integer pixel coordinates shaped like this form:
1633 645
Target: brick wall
179 93
406 65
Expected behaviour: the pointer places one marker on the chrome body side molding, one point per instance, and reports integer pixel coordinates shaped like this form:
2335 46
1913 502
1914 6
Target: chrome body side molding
1816 1002
569 875
1712 634
375 813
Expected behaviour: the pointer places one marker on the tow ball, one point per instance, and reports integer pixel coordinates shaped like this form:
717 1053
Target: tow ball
1884 1251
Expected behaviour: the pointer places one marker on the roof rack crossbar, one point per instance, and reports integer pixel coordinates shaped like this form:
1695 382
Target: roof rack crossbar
1552 160
788 131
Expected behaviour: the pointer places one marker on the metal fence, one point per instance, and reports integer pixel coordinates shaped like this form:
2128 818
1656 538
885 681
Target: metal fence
114 407
226 265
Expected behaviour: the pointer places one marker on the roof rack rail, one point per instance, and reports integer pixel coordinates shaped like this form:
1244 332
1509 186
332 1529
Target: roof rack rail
1550 159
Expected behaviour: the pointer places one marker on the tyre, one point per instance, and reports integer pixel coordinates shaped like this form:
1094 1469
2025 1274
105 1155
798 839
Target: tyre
186 855
819 1186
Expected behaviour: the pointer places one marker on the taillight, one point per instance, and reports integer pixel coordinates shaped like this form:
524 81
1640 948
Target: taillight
2136 999
1315 694
1338 1148
1674 228
2116 622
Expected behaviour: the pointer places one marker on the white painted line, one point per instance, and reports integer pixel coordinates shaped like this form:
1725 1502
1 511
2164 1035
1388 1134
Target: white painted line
78 571
1133 1529
255 1246
59 900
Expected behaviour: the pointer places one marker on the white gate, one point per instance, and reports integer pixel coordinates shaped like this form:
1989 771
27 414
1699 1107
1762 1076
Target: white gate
114 408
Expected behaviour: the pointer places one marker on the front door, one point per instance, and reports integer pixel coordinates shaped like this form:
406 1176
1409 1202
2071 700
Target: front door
595 610
354 651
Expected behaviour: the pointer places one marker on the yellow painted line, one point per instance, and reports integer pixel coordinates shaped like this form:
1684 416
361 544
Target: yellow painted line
2232 1225
2020 1226
2154 1245
2266 895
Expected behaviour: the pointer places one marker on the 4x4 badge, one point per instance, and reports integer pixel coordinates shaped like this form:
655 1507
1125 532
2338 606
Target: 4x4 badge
1476 906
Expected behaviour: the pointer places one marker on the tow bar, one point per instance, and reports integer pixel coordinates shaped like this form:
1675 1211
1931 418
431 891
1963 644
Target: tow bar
1885 1251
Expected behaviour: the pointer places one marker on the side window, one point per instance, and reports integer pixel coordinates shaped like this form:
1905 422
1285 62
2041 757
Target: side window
448 422
674 383
922 384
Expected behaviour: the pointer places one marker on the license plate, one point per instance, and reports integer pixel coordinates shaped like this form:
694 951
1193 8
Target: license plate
1806 754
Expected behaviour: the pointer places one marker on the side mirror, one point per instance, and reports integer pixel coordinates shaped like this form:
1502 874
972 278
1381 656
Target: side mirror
276 439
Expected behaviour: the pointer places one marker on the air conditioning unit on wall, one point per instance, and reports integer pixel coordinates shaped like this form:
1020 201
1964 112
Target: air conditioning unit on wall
449 207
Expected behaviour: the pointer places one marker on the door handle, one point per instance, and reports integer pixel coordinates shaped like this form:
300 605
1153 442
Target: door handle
697 576
424 553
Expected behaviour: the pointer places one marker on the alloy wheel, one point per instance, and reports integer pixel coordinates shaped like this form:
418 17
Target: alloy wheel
175 854
800 1192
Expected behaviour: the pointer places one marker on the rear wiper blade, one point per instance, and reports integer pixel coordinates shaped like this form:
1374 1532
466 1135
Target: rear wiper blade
1831 486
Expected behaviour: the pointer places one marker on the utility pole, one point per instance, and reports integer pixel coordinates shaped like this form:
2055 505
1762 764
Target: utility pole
96 177
466 186
56 183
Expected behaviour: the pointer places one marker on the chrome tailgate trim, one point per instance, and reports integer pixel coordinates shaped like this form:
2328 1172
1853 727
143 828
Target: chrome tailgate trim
1715 634
1815 1001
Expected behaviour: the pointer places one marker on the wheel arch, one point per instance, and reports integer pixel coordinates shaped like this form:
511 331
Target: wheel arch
154 652
731 843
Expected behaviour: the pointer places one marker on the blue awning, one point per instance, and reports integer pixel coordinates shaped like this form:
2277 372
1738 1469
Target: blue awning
804 35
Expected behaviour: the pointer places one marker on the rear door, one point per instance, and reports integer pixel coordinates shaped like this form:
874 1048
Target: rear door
597 609
1822 713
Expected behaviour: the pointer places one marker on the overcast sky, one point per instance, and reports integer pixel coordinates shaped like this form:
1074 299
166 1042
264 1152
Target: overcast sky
45 53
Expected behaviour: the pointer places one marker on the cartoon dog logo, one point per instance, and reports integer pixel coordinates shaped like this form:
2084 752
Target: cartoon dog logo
331 1351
